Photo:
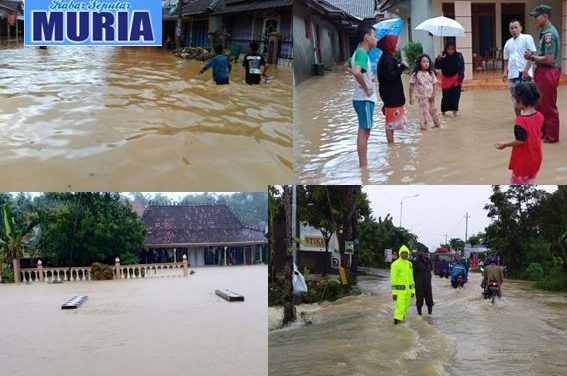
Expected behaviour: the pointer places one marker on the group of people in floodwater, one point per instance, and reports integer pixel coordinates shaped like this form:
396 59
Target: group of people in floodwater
534 91
409 279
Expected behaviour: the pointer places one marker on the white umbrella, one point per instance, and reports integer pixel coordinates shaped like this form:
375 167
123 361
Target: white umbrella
442 27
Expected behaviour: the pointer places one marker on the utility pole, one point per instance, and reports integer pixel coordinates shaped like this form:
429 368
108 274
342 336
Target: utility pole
446 238
467 216
294 222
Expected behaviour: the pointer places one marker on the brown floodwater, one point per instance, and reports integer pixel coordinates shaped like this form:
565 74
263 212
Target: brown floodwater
524 333
461 152
170 326
136 118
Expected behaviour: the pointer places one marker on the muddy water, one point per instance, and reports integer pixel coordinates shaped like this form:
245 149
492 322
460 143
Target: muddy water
135 118
138 327
461 152
523 333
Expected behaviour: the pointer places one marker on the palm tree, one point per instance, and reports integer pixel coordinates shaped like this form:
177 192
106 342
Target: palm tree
13 236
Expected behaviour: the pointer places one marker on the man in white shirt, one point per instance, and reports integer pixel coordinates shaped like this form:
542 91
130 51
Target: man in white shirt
516 67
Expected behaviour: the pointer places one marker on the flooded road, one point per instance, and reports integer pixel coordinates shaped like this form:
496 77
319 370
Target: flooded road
525 333
135 118
461 152
171 326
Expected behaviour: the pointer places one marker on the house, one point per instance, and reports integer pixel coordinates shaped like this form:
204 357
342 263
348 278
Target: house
234 24
246 21
325 32
209 234
485 23
11 20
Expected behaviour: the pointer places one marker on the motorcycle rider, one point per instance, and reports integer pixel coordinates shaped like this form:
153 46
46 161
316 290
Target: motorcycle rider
403 287
492 272
422 268
459 268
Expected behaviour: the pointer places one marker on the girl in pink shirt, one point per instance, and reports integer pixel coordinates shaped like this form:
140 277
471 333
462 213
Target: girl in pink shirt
423 83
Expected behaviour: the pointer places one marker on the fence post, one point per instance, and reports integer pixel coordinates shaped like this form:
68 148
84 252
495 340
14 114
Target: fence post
40 270
16 267
117 271
185 266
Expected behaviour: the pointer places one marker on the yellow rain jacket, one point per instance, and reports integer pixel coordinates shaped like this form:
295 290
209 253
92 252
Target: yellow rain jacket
403 286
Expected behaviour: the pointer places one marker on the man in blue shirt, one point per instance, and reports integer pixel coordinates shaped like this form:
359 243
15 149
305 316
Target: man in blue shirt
221 67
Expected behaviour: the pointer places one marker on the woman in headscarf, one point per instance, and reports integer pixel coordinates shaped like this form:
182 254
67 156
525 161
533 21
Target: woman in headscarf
452 67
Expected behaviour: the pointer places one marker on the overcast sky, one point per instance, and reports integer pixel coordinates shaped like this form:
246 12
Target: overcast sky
438 210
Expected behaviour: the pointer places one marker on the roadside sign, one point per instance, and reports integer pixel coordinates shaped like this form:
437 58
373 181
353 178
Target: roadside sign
349 246
388 255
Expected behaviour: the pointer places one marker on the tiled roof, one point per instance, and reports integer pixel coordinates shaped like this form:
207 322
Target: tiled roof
241 6
11 5
198 224
200 6
363 9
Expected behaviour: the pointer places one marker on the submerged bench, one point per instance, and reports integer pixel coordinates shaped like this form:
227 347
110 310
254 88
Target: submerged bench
75 302
231 296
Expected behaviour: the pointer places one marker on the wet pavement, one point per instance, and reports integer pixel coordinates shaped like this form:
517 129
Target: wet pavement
461 152
136 118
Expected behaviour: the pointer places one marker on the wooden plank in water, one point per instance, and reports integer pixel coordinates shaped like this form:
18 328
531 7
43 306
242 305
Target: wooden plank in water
231 296
75 302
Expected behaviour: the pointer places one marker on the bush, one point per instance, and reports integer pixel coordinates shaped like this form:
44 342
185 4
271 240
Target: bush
7 275
101 272
328 290
276 293
534 272
398 55
556 280
411 51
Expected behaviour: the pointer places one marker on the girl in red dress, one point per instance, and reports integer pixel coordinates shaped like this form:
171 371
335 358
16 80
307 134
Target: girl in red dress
526 157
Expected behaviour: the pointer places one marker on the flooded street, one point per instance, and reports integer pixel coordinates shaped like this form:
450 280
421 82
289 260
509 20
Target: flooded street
524 333
170 326
134 118
462 151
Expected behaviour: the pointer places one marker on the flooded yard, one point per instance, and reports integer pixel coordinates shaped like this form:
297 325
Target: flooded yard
136 118
171 326
461 152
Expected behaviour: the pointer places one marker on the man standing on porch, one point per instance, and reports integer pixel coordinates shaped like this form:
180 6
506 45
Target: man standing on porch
516 67
548 69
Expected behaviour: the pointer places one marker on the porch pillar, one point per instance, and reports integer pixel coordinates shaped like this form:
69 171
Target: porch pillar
16 268
224 256
40 270
117 271
175 255
185 266
564 39
464 44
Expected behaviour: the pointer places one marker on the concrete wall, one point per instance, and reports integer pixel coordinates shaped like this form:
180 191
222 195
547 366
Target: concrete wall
304 54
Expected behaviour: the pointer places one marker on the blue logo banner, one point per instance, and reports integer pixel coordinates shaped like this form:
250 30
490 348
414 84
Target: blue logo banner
92 22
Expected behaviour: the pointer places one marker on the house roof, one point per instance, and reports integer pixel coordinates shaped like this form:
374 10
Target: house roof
241 6
194 7
362 9
11 5
196 225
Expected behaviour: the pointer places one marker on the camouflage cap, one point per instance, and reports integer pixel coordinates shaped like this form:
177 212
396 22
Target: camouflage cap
541 9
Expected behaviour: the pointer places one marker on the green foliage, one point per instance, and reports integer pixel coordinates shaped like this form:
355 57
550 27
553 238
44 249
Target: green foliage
457 244
7 275
101 272
411 51
276 293
83 228
326 290
398 55
556 280
534 272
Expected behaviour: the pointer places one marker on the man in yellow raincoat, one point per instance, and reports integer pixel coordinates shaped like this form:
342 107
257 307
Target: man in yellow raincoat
403 287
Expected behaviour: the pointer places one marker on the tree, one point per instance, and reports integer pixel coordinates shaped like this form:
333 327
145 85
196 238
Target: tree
457 245
289 309
87 227
15 233
179 25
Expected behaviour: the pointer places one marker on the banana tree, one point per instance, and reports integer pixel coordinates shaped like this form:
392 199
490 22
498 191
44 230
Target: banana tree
13 237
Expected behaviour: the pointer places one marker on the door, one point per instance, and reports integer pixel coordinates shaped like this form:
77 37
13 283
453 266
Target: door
200 33
318 45
483 28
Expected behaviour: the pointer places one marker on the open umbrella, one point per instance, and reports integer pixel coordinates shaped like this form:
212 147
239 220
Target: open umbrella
442 27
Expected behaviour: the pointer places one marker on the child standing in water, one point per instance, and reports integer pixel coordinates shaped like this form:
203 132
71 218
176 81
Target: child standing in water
390 86
253 63
526 157
364 96
423 83
221 67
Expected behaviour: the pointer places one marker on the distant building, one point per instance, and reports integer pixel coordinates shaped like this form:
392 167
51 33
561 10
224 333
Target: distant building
11 18
209 234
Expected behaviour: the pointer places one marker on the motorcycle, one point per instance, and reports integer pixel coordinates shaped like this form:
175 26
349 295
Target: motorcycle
492 291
